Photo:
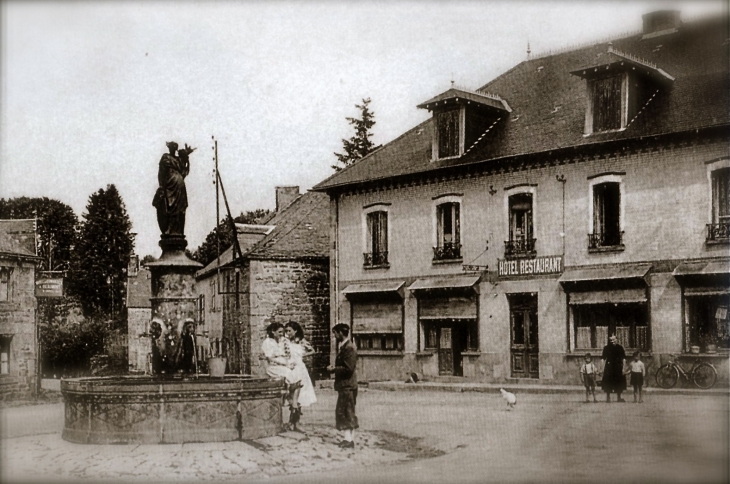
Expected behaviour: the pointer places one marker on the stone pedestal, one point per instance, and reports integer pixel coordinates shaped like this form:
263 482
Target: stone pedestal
173 283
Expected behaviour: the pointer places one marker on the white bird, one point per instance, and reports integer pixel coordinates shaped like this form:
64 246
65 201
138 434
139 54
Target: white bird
510 397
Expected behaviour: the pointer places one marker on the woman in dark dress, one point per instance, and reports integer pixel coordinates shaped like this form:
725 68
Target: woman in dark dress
613 369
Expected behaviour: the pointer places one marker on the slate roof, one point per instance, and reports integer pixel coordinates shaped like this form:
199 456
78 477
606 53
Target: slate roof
248 235
300 231
549 104
18 237
139 289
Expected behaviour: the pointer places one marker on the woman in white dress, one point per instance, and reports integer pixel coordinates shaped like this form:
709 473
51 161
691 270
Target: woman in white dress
300 348
276 349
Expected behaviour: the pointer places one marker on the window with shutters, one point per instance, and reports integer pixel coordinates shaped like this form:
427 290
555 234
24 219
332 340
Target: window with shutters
448 232
448 133
607 107
605 230
521 242
376 254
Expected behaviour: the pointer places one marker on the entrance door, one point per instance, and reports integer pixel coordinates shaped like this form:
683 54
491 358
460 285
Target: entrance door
524 348
452 340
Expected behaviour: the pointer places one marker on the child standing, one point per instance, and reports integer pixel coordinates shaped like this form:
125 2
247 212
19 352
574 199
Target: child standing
638 372
588 373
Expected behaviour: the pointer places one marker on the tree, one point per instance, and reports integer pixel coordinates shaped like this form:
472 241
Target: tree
98 273
208 250
359 145
56 227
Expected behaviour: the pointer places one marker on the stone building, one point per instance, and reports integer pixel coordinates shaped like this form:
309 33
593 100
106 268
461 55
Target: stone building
18 328
577 195
281 276
139 314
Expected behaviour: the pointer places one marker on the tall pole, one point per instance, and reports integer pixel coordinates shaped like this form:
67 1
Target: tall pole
217 220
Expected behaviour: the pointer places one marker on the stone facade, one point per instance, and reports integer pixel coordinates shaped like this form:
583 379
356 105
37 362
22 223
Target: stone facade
18 328
139 314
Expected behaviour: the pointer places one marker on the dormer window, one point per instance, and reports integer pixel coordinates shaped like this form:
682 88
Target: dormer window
618 90
461 120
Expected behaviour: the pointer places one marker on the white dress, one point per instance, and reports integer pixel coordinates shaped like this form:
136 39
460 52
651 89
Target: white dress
277 360
306 394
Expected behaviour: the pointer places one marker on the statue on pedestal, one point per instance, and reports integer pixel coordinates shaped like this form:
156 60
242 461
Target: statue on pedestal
171 197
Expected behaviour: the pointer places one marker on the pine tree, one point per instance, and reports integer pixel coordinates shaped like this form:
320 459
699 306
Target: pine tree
56 227
359 145
98 273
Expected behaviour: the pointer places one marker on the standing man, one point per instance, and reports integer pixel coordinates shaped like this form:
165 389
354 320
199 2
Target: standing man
345 384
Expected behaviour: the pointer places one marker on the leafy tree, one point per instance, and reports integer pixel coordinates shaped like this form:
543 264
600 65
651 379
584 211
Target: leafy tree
56 227
98 273
359 145
208 250
147 259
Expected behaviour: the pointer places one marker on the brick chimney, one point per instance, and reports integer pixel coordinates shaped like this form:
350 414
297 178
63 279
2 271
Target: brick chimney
660 22
284 196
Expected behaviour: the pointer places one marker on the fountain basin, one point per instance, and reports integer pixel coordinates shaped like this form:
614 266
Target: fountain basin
149 410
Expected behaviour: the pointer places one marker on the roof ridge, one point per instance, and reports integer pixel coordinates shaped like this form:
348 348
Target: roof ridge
582 45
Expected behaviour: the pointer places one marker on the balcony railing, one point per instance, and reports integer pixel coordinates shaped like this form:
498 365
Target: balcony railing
375 259
519 248
718 232
447 251
605 240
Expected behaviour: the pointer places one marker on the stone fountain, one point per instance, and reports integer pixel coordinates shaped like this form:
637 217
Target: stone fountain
174 404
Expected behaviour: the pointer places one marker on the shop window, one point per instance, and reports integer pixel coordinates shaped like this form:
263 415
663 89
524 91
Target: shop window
447 128
521 242
606 216
5 283
380 342
377 239
594 323
719 229
709 322
467 332
448 232
5 354
605 103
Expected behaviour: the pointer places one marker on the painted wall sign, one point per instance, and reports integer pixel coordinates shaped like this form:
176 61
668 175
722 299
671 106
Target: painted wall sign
551 264
49 287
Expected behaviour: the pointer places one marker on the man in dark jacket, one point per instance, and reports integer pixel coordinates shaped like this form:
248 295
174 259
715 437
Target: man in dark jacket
345 384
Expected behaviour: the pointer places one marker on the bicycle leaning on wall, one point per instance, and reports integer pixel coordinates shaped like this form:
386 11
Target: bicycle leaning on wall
702 374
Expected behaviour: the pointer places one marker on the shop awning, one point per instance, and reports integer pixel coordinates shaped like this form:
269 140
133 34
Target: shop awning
374 287
615 296
456 282
702 268
615 273
706 291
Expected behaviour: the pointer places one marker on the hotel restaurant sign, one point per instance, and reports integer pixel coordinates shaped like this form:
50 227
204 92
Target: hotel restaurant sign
550 264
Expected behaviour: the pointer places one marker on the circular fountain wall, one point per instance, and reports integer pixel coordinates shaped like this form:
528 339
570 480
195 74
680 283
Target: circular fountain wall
145 409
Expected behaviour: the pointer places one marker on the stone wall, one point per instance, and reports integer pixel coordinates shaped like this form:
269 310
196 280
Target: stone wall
18 322
138 320
290 290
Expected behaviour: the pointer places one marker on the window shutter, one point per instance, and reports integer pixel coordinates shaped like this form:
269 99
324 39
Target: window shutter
457 224
383 232
440 226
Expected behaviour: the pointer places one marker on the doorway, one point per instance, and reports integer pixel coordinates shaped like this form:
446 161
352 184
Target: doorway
524 347
448 340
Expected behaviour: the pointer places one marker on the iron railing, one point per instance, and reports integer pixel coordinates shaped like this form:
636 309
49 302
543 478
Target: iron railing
448 250
519 248
373 259
605 240
718 232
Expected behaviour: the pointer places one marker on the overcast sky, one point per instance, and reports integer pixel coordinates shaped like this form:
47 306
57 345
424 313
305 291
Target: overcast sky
92 90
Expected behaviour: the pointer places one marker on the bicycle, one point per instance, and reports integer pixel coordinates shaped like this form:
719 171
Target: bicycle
702 374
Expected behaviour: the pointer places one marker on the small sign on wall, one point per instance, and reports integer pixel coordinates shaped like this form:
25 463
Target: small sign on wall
49 287
551 264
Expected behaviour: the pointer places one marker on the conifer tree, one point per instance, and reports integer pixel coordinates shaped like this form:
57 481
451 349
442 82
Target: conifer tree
359 145
105 242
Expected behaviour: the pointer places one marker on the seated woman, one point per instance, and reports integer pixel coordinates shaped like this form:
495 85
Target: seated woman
279 364
300 348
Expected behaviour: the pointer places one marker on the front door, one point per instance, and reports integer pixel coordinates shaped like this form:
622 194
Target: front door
452 340
524 349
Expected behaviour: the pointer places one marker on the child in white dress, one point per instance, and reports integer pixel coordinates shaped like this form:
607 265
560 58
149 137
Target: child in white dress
276 349
300 348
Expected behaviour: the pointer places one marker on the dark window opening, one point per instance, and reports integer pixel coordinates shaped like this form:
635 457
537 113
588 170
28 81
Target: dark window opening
447 124
439 334
5 283
709 322
606 100
5 354
606 216
448 237
521 242
377 226
719 229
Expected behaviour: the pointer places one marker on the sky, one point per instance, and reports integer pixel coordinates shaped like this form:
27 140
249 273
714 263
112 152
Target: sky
90 91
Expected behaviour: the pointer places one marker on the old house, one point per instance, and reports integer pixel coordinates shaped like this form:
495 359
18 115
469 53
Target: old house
18 327
280 275
579 194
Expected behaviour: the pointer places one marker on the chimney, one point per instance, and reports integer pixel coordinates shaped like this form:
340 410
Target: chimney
661 22
284 196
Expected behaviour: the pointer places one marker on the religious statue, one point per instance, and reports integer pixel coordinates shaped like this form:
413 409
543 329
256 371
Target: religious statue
171 197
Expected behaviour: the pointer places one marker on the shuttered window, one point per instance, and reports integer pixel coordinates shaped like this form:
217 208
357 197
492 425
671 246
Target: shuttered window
721 196
447 124
606 98
377 226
